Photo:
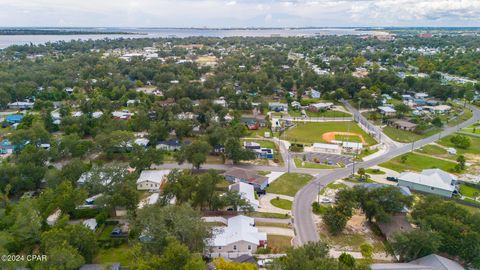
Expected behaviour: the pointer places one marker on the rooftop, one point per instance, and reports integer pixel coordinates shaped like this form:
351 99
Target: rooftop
432 178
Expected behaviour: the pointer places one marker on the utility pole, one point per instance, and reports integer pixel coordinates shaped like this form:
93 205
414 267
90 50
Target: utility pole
412 145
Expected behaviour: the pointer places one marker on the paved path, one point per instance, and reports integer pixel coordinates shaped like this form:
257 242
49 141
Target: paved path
273 220
267 207
302 210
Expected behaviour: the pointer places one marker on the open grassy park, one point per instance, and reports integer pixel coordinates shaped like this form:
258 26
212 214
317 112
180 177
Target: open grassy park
407 136
474 148
289 183
312 132
416 162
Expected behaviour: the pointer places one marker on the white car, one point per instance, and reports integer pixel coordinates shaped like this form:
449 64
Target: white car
326 200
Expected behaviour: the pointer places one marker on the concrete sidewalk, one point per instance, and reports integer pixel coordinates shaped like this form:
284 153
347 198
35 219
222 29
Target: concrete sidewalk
267 207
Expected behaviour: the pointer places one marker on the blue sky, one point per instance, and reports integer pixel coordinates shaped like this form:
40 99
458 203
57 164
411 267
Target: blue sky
239 13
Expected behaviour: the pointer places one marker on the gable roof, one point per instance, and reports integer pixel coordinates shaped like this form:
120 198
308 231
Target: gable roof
246 191
438 262
239 228
155 176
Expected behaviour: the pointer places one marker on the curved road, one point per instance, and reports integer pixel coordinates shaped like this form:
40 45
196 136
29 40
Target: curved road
305 229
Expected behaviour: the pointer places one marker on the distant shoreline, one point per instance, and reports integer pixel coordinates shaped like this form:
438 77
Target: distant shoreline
39 32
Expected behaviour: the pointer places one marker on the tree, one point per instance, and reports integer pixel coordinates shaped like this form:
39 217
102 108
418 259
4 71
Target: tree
347 260
235 151
402 109
114 142
335 220
437 121
79 237
25 223
155 223
403 158
141 158
64 197
205 193
461 141
158 132
379 203
367 251
62 257
221 264
363 174
237 202
312 256
461 162
415 244
195 153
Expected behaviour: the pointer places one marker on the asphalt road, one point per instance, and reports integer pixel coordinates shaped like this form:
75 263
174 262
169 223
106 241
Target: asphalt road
304 225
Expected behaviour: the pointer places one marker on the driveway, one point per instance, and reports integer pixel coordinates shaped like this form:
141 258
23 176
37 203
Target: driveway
382 178
267 207
274 176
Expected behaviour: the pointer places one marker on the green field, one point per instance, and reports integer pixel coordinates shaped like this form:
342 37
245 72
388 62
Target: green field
312 132
279 243
281 203
462 118
289 183
435 150
417 162
406 136
474 148
120 254
311 165
374 171
267 215
469 191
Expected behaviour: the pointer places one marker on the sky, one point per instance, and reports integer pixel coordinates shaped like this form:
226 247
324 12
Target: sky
239 13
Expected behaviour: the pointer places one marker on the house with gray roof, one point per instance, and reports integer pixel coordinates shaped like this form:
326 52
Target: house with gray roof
433 181
430 262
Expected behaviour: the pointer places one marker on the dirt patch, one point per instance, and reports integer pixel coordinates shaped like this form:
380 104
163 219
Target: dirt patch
330 136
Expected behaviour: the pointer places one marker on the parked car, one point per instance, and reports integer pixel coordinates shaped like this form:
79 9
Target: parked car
116 232
391 178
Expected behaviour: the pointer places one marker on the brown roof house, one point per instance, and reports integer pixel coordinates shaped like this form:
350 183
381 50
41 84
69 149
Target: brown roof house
404 125
236 175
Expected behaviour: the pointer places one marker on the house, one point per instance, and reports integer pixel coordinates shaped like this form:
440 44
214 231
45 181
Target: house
247 192
278 107
90 223
421 95
142 142
239 237
53 218
264 153
352 147
251 145
433 181
14 118
295 104
20 105
407 98
122 115
320 106
314 93
91 200
395 223
327 148
430 262
236 175
152 199
108 266
253 122
6 147
387 111
104 179
171 145
151 179
404 125
441 109
220 101
97 115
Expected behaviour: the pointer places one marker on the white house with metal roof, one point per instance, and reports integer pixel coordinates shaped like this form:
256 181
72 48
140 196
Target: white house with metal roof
239 237
430 262
434 181
247 192
327 148
151 179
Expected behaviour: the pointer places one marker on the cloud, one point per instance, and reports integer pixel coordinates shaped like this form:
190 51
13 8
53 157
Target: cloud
240 13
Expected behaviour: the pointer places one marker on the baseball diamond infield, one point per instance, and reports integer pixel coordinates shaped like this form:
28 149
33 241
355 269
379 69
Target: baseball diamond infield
330 136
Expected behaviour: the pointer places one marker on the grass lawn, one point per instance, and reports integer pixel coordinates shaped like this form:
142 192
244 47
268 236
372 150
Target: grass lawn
328 114
407 136
289 183
435 150
374 117
106 231
258 133
473 149
374 171
311 165
345 240
282 203
223 185
366 152
279 243
119 254
267 215
312 132
469 191
417 162
269 224
462 118
470 209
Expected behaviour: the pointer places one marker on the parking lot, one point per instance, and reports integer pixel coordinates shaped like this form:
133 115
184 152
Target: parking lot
325 158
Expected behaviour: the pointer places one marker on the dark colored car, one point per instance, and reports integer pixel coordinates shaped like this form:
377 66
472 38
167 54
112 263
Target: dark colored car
391 178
